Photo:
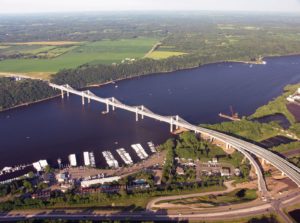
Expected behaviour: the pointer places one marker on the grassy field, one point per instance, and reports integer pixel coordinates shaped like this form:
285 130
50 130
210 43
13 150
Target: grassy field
106 52
156 55
236 196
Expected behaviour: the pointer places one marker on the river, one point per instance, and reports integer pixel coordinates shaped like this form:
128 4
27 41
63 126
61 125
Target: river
56 128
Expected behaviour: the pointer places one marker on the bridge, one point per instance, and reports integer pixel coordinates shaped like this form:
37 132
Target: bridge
246 148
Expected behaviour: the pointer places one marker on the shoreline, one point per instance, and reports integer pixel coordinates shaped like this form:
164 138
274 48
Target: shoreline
261 62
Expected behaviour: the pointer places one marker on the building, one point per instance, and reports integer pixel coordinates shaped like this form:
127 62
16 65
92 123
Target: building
62 177
237 172
88 183
179 170
225 172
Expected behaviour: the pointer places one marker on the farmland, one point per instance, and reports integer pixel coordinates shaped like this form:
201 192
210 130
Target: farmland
156 55
50 58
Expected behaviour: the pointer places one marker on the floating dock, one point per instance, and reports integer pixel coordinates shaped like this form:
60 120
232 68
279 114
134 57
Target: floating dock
140 151
86 158
125 156
89 159
92 159
110 160
232 118
72 160
152 147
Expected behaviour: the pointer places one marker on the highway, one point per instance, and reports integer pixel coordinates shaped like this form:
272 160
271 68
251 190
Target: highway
244 147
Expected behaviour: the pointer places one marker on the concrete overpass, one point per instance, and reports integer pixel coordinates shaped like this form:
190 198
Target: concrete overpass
244 147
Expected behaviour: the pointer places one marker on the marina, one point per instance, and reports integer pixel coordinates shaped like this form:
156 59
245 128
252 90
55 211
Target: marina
125 156
110 160
140 151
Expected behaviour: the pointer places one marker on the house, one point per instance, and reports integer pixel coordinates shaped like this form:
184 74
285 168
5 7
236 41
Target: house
237 172
225 172
62 177
180 170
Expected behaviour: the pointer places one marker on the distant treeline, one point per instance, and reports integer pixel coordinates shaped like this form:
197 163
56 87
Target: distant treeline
13 93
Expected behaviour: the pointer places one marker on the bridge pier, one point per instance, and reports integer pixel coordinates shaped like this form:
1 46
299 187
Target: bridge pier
136 114
82 100
89 100
68 94
228 146
107 106
62 94
142 110
177 119
113 107
171 125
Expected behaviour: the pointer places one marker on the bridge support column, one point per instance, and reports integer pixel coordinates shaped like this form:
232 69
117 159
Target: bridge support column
62 94
113 107
107 107
136 114
82 100
177 119
142 110
227 146
282 174
89 100
171 125
263 161
68 94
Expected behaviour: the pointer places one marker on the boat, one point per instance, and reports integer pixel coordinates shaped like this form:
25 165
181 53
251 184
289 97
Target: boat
125 156
140 151
152 147
110 160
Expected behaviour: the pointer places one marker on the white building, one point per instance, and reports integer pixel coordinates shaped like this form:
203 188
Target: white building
88 183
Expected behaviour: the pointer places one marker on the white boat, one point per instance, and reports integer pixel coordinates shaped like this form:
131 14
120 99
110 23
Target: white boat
125 156
110 160
140 151
152 147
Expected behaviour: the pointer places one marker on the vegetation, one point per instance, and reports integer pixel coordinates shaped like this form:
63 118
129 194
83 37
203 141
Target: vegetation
124 201
278 105
13 93
295 160
163 54
236 196
247 129
286 147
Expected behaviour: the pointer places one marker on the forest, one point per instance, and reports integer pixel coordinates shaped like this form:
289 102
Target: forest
13 93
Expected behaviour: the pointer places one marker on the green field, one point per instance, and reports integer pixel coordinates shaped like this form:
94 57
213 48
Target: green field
156 55
106 52
236 196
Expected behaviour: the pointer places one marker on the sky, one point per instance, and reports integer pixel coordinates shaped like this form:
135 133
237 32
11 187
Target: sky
38 6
